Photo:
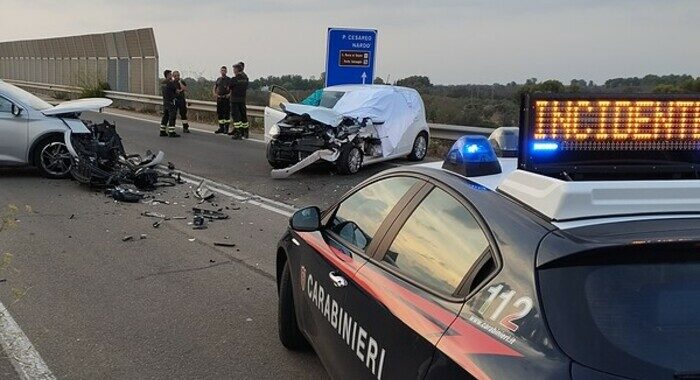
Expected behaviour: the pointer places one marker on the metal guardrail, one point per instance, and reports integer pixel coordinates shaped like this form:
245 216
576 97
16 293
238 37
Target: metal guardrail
438 131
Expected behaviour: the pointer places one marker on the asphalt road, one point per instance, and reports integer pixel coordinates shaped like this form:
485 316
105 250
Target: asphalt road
241 164
169 306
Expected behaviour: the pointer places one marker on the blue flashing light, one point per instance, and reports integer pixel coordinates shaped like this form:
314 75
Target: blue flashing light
545 146
472 156
471 149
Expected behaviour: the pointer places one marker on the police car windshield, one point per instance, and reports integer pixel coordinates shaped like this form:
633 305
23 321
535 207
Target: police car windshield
637 320
330 98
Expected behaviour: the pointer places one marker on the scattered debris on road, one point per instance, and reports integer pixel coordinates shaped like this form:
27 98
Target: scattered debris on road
152 214
210 214
123 194
128 238
203 192
223 244
199 223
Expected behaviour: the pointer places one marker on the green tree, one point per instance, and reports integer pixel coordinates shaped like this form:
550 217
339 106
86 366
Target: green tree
415 81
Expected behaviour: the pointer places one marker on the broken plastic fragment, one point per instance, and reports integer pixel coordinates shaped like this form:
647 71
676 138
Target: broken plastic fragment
125 195
154 215
209 214
199 223
203 192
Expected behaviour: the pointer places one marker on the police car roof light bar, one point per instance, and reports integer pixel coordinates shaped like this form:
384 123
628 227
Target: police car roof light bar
472 156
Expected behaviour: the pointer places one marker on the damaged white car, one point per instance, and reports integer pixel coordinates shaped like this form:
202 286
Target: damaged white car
352 126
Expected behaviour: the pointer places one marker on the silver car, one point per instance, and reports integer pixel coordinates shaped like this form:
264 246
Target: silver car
33 132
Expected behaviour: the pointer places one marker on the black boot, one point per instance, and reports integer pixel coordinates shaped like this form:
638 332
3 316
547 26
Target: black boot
245 133
236 135
163 133
185 128
225 129
222 129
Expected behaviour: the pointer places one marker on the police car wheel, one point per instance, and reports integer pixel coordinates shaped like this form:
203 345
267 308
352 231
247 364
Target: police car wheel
350 160
289 333
420 147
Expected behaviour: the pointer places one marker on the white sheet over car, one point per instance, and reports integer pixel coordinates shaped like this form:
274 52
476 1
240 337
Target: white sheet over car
397 107
324 115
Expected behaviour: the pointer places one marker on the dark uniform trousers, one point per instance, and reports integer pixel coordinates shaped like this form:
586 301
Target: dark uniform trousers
223 111
181 105
169 116
239 114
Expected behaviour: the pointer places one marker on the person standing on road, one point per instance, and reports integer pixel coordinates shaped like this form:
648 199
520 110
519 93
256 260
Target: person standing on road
181 101
239 88
169 92
223 106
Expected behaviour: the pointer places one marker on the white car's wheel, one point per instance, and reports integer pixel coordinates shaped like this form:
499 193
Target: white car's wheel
350 160
52 158
420 147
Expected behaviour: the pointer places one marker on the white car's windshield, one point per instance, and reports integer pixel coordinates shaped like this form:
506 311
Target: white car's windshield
330 98
24 97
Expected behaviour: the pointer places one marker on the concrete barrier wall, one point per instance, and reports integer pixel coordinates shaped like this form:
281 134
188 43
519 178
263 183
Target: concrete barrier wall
127 60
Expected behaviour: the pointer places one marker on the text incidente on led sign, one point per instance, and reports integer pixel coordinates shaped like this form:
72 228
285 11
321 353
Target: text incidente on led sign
618 124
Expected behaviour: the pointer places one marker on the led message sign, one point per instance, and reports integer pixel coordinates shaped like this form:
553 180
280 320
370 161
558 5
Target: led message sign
562 134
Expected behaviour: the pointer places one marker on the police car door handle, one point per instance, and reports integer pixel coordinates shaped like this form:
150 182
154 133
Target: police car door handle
338 280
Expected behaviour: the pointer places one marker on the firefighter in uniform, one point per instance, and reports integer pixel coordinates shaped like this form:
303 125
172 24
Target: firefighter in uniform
239 87
223 106
169 92
181 101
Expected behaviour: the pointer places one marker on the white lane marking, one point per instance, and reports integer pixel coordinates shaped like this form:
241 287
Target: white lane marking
22 354
158 123
239 195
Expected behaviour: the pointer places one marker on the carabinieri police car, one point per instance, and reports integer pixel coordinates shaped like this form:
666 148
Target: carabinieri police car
578 259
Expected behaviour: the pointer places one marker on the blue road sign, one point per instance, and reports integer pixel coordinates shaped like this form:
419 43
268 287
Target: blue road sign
350 56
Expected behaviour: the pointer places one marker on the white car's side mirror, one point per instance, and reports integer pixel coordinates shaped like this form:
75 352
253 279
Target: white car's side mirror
16 110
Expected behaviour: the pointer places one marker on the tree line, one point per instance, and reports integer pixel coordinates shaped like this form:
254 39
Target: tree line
469 104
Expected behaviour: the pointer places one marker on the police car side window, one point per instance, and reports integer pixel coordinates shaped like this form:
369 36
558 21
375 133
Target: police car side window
438 244
358 217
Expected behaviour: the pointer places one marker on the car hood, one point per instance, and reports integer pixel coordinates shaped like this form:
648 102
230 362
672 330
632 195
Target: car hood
321 114
80 105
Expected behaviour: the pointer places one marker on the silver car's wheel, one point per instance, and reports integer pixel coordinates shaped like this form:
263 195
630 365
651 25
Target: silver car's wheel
420 148
55 160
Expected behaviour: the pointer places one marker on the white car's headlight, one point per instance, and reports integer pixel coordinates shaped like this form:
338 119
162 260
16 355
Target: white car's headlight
275 130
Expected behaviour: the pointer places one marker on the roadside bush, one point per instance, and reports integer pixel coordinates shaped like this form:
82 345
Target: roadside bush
94 90
59 95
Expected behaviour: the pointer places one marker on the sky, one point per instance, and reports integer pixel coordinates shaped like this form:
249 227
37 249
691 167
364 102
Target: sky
450 41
